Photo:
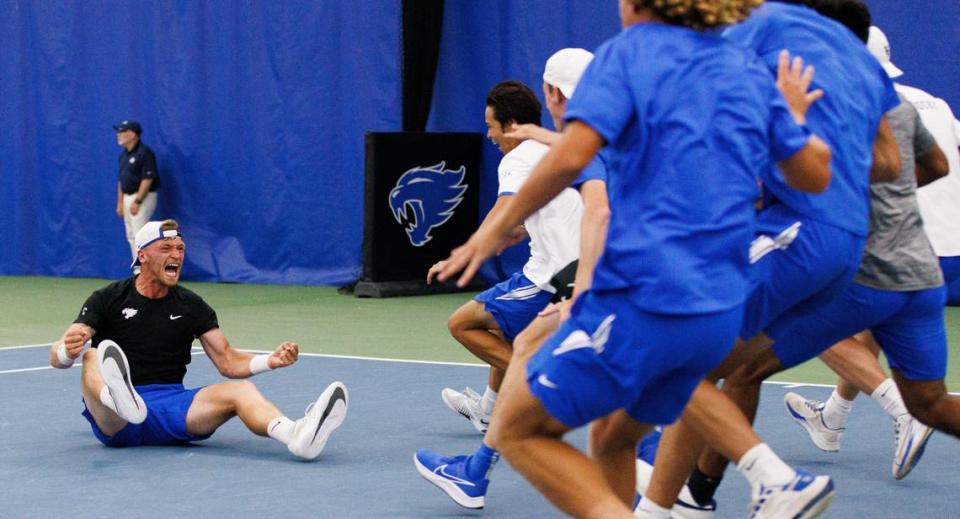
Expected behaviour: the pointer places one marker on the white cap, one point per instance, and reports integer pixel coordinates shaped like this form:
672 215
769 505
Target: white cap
150 233
564 68
879 46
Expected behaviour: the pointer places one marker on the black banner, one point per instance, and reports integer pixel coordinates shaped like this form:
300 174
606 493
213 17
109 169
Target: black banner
421 201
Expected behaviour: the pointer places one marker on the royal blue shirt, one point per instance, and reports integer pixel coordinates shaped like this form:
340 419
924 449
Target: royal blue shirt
692 120
596 169
857 94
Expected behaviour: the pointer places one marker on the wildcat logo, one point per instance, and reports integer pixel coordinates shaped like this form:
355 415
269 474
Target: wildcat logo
425 198
128 312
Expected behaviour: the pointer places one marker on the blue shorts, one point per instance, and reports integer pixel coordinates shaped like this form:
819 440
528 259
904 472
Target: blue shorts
611 355
514 303
908 326
166 422
799 265
951 276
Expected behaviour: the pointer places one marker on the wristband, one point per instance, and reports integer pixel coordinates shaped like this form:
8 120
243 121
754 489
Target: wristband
258 364
62 356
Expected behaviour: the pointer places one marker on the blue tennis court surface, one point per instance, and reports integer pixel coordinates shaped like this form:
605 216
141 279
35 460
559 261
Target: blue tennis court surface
51 466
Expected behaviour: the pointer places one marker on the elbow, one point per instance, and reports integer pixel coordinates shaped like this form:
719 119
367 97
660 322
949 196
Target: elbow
886 167
598 217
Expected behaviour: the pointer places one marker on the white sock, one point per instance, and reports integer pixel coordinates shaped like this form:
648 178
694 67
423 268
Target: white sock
106 399
836 410
488 400
888 396
761 466
281 429
647 509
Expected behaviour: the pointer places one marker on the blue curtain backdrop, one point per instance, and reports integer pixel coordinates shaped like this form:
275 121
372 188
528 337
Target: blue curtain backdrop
256 111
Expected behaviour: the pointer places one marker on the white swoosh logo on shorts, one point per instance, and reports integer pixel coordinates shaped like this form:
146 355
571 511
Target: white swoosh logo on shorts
575 341
546 382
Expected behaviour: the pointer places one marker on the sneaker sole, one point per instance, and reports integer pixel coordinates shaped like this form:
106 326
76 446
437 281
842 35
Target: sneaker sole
911 462
801 420
333 415
448 487
819 504
130 406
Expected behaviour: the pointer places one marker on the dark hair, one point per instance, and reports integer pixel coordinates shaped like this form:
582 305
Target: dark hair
853 14
513 101
699 15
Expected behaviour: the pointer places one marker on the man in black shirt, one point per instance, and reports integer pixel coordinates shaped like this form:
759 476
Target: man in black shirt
138 180
135 395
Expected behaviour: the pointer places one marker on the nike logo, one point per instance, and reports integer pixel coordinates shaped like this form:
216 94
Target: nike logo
175 317
114 353
338 395
546 382
441 470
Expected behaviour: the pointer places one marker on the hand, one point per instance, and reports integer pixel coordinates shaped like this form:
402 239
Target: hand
532 131
74 340
565 307
120 210
134 208
793 80
434 270
550 309
285 355
468 257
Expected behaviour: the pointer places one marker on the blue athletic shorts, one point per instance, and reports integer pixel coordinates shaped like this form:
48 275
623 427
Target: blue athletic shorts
514 303
799 265
166 422
611 355
907 325
951 275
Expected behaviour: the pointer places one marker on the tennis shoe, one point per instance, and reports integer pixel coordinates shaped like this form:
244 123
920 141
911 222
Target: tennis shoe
809 415
467 404
115 371
310 433
911 440
806 496
685 508
449 474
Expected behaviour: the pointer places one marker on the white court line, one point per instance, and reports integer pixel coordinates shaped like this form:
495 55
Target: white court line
787 385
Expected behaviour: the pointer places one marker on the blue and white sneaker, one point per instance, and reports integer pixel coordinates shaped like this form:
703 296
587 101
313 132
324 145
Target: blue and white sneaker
809 415
450 475
804 497
911 440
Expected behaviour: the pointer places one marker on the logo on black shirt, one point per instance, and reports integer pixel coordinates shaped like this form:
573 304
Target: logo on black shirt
128 312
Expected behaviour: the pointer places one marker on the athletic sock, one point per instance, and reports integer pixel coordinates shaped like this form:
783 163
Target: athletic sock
836 410
703 487
281 429
107 400
488 400
647 509
481 463
888 396
761 466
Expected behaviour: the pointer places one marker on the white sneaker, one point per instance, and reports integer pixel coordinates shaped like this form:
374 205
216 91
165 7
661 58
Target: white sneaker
809 415
322 417
911 439
805 497
685 507
115 371
467 404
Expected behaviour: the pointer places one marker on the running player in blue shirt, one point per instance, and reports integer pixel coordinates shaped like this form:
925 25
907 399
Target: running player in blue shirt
693 120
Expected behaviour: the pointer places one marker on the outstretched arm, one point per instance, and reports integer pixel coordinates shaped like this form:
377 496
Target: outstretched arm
72 342
233 363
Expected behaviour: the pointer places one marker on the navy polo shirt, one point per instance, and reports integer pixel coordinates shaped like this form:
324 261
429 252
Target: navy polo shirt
135 165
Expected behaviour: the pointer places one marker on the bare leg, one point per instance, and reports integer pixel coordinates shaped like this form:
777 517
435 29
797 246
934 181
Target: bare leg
91 383
856 363
613 444
679 447
929 402
215 404
477 330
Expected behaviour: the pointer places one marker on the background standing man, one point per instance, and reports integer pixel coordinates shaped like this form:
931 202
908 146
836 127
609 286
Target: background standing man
138 182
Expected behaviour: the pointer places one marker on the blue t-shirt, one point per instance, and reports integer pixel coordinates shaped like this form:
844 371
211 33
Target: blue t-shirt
596 169
691 120
857 94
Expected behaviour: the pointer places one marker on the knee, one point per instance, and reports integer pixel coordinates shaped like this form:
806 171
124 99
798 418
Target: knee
241 389
524 345
89 356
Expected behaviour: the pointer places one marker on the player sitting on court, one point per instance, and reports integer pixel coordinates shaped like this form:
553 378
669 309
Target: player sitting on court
142 401
488 324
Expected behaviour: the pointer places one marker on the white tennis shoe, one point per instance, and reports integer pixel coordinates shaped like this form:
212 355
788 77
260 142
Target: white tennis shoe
115 372
809 415
911 439
310 433
467 404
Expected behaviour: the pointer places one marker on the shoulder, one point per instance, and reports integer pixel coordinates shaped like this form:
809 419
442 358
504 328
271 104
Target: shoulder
186 295
114 290
524 156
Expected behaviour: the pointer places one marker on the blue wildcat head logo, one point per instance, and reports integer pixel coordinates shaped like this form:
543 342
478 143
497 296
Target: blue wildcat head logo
424 198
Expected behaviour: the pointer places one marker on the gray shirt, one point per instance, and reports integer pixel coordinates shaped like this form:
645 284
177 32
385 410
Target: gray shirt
898 255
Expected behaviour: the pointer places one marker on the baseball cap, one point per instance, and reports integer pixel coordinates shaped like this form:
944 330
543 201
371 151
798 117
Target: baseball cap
150 233
564 68
128 125
879 46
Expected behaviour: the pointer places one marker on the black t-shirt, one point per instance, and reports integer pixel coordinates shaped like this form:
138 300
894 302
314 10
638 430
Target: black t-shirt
155 334
136 165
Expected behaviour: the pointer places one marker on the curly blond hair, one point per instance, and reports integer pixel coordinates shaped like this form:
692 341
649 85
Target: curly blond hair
699 14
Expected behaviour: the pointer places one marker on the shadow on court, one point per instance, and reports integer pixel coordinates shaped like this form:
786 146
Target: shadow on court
51 465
